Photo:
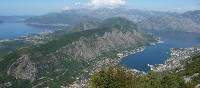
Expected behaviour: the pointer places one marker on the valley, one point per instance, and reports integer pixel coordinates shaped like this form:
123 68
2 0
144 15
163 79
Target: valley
77 48
64 57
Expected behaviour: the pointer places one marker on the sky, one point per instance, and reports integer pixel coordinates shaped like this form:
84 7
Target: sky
37 7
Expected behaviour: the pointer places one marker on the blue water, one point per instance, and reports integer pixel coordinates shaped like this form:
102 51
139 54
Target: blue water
14 30
151 55
159 53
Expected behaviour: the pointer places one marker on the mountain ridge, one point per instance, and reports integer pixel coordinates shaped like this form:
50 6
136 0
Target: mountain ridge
61 61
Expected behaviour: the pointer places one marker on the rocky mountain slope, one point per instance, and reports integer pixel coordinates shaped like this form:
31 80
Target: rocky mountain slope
72 56
186 22
75 16
147 20
194 15
23 68
170 23
62 18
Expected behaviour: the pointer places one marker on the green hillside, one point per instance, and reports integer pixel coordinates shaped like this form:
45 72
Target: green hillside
68 57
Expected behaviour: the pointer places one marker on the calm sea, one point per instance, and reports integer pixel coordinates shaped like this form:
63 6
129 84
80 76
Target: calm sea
159 53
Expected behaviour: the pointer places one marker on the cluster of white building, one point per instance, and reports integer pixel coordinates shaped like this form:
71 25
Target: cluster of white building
126 53
177 58
98 65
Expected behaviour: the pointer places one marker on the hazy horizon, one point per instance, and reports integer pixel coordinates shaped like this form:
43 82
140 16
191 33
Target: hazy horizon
38 7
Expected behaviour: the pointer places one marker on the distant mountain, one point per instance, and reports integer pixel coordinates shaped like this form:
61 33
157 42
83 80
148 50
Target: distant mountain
77 16
186 22
194 15
69 18
119 23
73 56
131 14
170 23
147 20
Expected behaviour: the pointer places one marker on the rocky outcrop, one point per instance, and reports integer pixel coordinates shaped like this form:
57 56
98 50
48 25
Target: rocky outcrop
113 33
91 48
23 68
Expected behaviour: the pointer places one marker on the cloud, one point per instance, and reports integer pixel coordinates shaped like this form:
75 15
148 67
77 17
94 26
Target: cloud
179 9
106 3
77 3
66 8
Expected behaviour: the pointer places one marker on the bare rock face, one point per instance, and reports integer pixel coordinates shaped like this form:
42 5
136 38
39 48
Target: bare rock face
91 48
23 68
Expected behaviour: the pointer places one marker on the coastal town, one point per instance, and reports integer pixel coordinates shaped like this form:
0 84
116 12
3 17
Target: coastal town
82 82
34 39
177 57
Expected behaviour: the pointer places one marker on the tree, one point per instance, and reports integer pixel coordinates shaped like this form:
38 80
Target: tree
113 78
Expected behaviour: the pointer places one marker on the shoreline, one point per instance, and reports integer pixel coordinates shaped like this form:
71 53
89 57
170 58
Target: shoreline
45 32
29 37
141 49
177 56
83 83
52 25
